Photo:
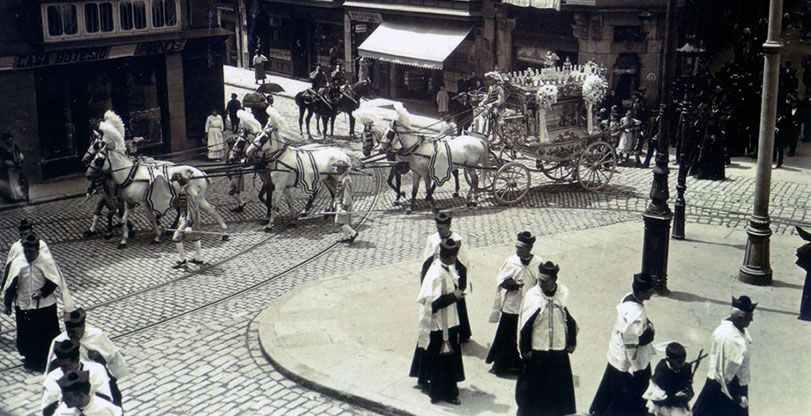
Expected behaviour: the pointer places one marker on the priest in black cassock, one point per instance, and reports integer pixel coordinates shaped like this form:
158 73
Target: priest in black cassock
548 335
438 359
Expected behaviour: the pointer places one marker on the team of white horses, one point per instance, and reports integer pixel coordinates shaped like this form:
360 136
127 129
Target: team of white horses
278 162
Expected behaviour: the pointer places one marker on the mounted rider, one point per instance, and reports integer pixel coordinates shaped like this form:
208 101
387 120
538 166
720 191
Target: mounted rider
320 82
337 77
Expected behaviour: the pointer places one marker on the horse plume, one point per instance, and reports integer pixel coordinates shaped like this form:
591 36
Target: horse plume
274 118
248 121
366 115
111 137
403 117
116 121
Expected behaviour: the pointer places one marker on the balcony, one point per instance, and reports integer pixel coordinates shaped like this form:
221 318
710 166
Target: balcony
69 21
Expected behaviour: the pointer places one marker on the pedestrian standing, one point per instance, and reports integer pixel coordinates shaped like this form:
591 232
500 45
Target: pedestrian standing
431 253
30 287
442 99
214 129
189 223
68 360
438 354
259 66
94 346
629 353
671 386
343 202
548 335
77 400
13 184
231 109
517 274
726 391
236 152
628 127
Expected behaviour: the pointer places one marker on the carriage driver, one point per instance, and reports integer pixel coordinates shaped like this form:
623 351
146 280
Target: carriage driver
493 104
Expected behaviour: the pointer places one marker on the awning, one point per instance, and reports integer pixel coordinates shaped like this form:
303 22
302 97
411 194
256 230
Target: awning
413 44
538 4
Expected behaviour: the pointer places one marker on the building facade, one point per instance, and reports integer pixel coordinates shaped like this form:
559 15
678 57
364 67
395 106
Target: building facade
158 64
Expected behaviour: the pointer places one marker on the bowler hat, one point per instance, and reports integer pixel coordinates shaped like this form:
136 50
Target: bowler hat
442 218
75 318
449 248
525 238
743 303
548 268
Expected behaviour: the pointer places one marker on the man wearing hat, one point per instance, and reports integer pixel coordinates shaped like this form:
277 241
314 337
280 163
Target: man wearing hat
30 286
517 274
630 350
94 346
231 109
343 202
431 253
67 361
437 361
726 390
77 398
548 335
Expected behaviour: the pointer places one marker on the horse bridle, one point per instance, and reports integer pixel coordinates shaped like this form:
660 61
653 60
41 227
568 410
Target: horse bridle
392 133
266 136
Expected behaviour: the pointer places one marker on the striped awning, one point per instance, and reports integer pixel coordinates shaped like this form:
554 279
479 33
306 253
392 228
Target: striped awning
538 4
421 45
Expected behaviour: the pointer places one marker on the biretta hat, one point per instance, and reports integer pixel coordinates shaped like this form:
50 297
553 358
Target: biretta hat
743 303
442 218
75 381
643 281
525 238
66 349
25 224
449 247
548 268
31 241
75 318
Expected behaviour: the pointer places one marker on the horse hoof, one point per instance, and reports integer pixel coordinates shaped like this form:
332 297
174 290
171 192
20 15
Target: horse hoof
155 241
456 194
225 237
89 233
108 235
396 203
268 229
122 246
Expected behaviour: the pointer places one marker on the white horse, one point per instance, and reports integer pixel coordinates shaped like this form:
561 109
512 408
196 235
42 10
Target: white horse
467 152
291 167
136 184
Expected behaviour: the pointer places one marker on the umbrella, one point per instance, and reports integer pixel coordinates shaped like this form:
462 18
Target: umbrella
254 99
269 88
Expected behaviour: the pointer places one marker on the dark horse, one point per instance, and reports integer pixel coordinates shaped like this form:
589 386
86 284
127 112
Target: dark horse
344 99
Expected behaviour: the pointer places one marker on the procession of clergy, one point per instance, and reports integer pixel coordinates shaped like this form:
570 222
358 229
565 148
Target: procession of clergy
81 365
536 333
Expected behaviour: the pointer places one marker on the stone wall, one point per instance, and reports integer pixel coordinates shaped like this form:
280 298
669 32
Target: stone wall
18 116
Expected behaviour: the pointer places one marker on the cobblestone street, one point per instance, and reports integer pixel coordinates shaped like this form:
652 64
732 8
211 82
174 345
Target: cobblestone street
190 338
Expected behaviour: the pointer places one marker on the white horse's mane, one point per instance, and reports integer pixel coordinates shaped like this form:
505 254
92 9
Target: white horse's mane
115 120
247 120
111 137
275 119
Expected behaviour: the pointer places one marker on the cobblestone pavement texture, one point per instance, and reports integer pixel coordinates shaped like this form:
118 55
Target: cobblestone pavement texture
189 337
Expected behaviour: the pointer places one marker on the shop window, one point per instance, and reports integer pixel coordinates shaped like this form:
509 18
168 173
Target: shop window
98 17
62 20
132 15
164 13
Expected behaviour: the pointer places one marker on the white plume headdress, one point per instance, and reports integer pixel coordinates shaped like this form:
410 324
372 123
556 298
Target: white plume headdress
115 120
403 117
275 119
248 121
111 137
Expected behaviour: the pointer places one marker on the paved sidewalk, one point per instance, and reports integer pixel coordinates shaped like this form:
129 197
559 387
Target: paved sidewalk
353 335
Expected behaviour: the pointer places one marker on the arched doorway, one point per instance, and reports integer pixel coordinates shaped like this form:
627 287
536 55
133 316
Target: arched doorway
625 79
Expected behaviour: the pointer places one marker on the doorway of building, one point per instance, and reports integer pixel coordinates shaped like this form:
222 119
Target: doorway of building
300 48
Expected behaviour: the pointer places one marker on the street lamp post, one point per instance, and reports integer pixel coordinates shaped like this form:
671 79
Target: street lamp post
657 216
756 269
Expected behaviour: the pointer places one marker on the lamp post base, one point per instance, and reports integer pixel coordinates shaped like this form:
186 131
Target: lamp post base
655 249
756 269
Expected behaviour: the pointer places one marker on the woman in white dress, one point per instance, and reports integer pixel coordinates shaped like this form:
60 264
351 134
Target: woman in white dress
214 128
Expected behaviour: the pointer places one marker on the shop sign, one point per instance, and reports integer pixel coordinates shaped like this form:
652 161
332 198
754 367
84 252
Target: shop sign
371 17
70 56
281 54
164 46
361 28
